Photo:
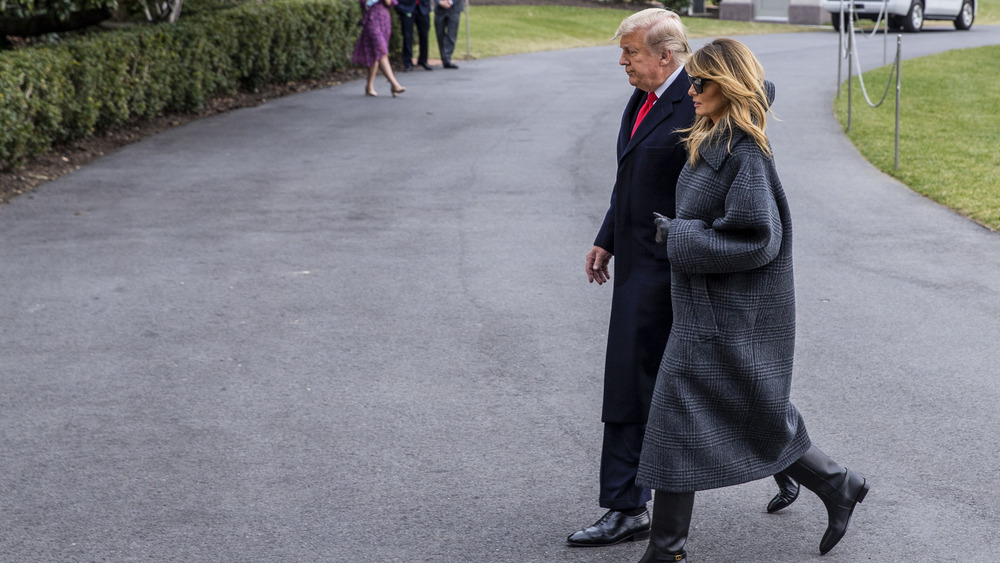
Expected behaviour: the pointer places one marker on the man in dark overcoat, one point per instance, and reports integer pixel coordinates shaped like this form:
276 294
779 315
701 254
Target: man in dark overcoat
650 157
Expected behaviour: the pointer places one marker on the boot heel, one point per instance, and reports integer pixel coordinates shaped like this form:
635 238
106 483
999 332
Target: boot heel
863 492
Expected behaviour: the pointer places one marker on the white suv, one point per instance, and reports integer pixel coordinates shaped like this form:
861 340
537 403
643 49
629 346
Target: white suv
908 15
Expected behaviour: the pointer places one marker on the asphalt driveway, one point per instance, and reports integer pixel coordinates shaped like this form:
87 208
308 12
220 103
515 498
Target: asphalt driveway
336 328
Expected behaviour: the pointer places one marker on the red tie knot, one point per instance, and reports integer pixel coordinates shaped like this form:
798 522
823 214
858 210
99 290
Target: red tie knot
650 99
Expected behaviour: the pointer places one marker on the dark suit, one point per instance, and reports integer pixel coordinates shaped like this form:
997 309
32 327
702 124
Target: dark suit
648 165
415 12
446 28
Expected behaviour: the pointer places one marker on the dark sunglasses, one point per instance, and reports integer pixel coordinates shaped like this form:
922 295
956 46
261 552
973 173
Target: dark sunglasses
698 83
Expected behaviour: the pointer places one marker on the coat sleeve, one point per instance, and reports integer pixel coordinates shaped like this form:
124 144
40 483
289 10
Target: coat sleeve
606 235
749 232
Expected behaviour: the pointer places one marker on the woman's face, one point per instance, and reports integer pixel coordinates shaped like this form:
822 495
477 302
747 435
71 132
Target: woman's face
710 102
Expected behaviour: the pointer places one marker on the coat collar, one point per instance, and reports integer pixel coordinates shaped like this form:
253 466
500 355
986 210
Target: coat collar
662 109
717 149
714 151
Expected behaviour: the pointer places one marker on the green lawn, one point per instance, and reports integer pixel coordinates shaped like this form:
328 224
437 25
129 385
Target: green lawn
988 13
949 110
948 135
506 30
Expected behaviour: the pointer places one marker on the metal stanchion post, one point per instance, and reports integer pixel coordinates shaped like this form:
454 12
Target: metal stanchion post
840 47
885 34
850 67
468 51
899 58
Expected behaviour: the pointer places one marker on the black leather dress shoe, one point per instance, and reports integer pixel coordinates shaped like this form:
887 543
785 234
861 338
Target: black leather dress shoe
450 65
426 66
614 527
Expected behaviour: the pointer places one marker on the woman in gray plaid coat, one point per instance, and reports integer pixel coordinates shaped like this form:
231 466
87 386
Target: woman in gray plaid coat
720 413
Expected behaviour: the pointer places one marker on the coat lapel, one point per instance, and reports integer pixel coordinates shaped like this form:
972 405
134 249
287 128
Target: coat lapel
662 110
715 150
625 131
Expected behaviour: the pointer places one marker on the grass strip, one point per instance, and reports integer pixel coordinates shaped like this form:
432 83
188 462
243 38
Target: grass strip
509 30
948 133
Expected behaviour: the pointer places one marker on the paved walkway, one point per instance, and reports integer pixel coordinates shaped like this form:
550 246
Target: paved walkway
335 328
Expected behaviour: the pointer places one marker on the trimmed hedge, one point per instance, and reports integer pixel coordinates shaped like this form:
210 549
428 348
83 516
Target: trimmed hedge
57 93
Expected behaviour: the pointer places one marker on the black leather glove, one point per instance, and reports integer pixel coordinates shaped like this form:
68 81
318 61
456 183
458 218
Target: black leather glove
662 227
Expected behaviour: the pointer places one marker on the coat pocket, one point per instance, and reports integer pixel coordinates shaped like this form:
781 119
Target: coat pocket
694 315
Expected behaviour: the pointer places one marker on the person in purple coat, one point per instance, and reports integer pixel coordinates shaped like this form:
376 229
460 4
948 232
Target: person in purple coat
372 48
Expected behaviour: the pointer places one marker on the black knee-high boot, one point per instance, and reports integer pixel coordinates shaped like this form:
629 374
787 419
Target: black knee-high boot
788 491
668 530
839 488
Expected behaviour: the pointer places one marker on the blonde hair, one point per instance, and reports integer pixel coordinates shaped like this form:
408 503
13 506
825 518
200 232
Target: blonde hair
664 32
736 70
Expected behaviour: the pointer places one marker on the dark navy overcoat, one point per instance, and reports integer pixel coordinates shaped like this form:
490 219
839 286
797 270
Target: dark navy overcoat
648 165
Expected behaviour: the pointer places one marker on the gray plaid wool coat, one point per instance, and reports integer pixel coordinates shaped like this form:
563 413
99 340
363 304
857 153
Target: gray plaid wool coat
720 413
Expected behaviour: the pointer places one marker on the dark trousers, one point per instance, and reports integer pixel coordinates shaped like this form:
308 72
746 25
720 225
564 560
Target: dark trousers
619 464
423 23
446 28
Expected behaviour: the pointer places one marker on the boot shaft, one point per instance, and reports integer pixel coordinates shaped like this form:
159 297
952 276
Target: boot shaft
669 527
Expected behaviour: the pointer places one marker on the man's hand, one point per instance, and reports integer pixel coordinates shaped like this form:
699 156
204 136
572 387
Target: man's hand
662 227
597 265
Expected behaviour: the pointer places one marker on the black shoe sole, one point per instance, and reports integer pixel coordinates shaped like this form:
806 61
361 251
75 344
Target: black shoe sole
638 536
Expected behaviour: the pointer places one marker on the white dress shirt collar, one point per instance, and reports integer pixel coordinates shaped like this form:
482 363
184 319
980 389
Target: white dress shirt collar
666 84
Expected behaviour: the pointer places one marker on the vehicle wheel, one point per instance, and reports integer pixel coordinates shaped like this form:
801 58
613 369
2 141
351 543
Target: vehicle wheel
965 17
914 18
835 20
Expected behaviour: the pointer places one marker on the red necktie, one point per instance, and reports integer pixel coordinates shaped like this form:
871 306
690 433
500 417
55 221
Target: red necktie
650 99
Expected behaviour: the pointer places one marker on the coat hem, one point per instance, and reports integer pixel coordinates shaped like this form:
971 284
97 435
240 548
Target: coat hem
793 455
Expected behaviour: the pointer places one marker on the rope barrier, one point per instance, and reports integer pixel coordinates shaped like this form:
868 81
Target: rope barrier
850 52
861 78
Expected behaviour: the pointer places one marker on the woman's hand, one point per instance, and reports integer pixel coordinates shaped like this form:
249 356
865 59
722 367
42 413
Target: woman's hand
662 223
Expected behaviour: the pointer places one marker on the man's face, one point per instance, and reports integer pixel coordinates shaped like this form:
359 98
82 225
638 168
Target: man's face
646 71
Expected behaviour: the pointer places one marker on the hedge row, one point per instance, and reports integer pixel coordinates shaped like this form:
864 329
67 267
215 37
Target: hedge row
67 91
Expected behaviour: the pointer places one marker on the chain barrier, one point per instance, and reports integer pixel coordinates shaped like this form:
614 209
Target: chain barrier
850 52
861 78
468 48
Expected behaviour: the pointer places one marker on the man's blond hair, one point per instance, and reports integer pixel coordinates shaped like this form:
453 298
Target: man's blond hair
664 32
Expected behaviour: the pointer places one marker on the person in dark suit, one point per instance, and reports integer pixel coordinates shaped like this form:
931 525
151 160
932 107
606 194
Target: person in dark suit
650 157
415 12
446 17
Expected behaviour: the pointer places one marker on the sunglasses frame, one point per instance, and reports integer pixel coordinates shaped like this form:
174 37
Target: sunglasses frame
698 83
